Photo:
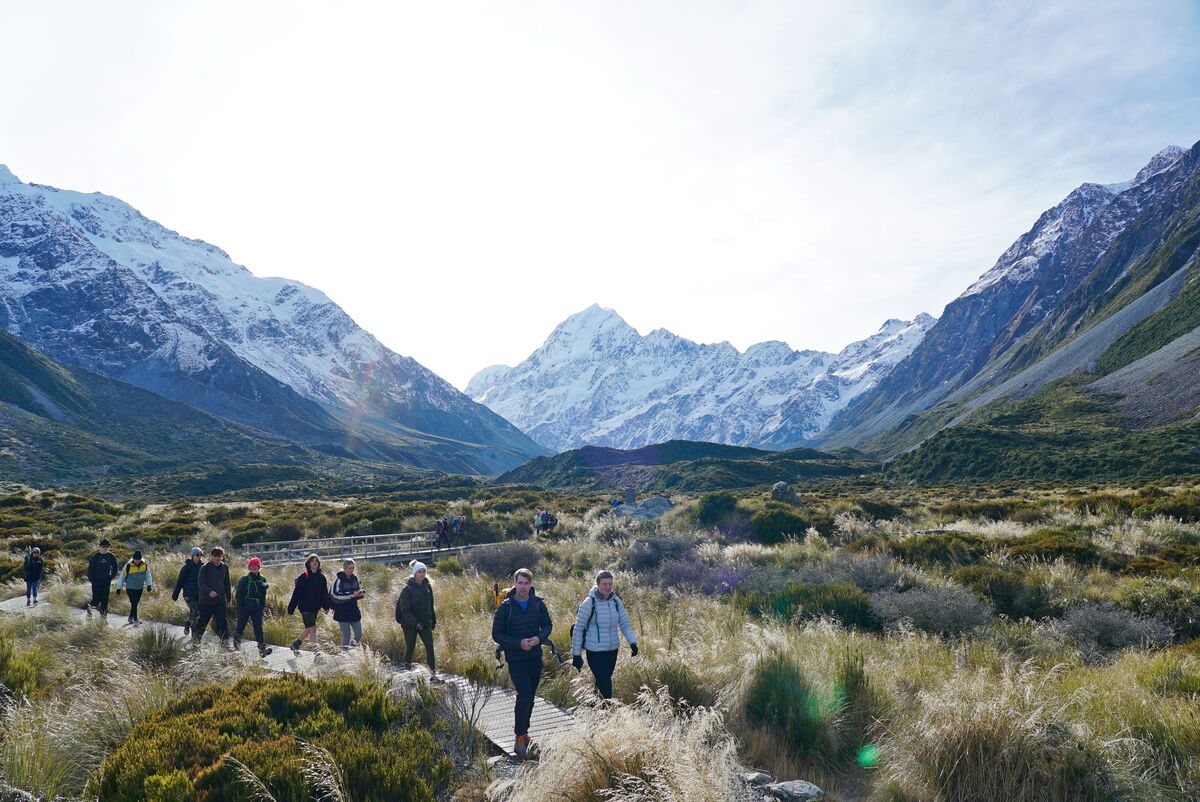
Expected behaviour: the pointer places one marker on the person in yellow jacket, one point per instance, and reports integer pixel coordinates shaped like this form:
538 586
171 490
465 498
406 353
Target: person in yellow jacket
135 578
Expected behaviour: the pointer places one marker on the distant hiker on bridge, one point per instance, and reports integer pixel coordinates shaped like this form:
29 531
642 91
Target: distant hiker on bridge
442 530
458 527
215 592
521 624
346 592
34 568
310 595
599 623
416 616
135 578
101 571
188 583
251 599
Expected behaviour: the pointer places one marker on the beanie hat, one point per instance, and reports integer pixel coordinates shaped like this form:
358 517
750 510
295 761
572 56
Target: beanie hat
36 550
104 542
197 551
137 555
254 563
417 565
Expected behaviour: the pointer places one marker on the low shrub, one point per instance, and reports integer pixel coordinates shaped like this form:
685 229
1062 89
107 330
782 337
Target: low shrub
1097 629
450 565
800 601
715 508
648 553
1070 543
949 548
381 748
775 524
17 674
781 700
502 559
1008 590
1184 506
156 648
1175 601
674 674
941 611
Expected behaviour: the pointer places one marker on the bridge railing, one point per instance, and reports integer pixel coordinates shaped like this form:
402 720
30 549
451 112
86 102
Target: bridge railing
359 547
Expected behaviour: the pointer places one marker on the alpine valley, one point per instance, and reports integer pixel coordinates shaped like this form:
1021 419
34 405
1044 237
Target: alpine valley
125 314
1076 355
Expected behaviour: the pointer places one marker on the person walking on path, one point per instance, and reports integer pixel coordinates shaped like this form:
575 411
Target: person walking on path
600 622
345 595
520 625
215 592
416 616
188 584
310 595
251 599
34 568
101 571
135 578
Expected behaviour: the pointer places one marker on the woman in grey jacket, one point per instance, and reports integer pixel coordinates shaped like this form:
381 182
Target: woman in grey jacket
599 624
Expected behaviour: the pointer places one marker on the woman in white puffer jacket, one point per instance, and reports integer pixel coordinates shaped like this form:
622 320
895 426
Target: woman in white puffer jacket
599 624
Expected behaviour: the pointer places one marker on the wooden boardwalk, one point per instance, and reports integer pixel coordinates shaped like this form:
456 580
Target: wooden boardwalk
394 547
495 720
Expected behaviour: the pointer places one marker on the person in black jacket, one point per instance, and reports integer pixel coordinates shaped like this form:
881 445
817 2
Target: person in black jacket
344 594
215 592
416 616
310 595
521 625
251 601
101 571
188 584
34 568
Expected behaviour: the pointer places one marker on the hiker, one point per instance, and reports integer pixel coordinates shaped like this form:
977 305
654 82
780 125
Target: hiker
599 624
34 568
416 616
215 590
101 571
460 527
188 583
134 578
310 595
251 599
440 529
346 592
520 625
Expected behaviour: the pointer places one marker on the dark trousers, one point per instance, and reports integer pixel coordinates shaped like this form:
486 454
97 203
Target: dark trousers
100 596
31 586
193 605
215 612
135 596
410 644
526 674
602 665
254 615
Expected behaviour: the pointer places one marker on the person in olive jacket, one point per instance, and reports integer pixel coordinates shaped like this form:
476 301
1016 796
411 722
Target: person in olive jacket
416 616
34 568
101 571
521 625
310 595
215 593
251 599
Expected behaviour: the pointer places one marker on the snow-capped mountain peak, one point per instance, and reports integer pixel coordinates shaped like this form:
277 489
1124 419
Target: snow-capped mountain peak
597 381
6 176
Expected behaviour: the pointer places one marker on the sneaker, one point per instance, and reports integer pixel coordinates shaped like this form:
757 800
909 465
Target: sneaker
129 621
296 646
187 628
237 644
28 603
263 651
35 602
104 614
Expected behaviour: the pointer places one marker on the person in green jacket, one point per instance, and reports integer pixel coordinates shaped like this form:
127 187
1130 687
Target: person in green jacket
251 596
416 616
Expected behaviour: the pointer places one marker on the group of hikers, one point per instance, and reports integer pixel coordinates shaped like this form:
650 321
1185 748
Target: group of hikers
544 521
521 624
454 527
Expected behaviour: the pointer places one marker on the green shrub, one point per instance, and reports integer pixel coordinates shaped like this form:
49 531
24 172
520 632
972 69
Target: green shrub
503 559
450 565
1009 591
950 548
879 510
675 673
174 786
1069 543
17 674
385 526
714 508
1175 601
800 600
780 700
156 648
1184 505
383 747
287 529
775 524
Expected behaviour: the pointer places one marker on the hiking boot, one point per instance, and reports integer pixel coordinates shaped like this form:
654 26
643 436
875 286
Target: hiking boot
237 644
521 746
35 602
129 620
263 651
187 628
28 603
296 644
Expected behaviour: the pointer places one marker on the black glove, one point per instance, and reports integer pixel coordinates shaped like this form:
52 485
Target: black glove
175 596
577 661
420 626
633 649
118 591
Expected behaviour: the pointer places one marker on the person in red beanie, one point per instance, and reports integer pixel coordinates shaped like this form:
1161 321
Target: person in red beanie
251 598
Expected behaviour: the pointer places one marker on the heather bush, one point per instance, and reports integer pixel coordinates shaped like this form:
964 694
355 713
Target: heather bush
502 559
939 610
950 548
1051 543
1175 601
1097 629
1009 590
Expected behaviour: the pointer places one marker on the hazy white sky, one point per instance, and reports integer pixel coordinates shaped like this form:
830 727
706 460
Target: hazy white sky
462 176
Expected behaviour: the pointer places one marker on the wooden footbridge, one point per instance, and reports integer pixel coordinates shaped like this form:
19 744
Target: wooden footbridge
390 548
494 711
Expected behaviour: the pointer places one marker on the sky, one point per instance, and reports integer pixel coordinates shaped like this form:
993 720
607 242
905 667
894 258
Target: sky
462 176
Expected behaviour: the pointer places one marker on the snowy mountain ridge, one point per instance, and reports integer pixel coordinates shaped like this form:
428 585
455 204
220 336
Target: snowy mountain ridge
597 381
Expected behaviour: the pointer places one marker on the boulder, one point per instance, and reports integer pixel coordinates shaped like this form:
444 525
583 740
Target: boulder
794 791
756 778
649 508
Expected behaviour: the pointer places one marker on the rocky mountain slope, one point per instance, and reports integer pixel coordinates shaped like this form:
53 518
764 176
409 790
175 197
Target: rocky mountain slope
1100 280
89 281
597 381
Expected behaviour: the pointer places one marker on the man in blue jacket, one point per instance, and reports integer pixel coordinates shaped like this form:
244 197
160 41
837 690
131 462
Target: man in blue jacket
521 625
